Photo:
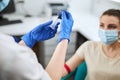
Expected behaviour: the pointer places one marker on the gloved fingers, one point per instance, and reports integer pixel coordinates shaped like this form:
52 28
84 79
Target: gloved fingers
42 26
66 13
58 23
69 16
47 23
63 16
66 16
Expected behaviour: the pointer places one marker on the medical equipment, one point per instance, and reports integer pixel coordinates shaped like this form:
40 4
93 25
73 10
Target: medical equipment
57 20
108 36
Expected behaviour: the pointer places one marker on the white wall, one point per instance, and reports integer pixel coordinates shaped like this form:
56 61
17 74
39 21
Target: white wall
80 5
76 6
33 7
100 6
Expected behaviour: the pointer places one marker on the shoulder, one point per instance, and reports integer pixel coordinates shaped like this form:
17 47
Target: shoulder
88 48
7 38
92 47
91 43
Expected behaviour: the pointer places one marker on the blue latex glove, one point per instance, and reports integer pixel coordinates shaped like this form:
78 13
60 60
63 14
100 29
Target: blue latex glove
40 33
66 26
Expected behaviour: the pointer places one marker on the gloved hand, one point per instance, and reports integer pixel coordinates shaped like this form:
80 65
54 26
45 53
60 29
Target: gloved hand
66 26
40 33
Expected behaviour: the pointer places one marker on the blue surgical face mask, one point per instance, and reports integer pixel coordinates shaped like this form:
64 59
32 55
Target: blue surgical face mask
3 4
108 36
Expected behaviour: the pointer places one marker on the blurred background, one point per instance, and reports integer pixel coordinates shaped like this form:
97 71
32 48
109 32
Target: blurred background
21 16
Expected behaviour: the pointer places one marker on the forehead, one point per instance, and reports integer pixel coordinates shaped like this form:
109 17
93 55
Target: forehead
109 19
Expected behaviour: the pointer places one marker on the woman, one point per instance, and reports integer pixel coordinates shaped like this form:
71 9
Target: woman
102 58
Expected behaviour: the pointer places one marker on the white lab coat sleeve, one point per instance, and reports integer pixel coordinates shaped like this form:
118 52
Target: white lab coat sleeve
18 62
45 76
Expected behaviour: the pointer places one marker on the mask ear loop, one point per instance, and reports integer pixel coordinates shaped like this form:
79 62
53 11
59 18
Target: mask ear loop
118 36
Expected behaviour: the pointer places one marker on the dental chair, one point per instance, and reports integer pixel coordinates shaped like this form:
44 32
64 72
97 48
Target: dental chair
78 74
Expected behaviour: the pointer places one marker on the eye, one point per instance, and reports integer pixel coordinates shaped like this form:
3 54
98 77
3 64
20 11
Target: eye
112 26
101 26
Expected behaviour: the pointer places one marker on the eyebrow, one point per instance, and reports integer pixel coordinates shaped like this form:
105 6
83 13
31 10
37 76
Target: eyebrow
111 24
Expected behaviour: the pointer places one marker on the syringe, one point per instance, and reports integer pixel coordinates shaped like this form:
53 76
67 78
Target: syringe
56 21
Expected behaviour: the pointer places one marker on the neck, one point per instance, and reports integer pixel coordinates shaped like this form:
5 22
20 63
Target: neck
112 47
112 50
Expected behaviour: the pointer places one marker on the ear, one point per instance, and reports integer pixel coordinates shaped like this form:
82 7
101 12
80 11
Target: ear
119 34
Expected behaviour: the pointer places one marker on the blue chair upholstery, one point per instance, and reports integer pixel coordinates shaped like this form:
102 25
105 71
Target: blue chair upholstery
79 73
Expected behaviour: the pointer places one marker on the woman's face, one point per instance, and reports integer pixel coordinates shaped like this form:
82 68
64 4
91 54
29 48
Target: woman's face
110 29
109 23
